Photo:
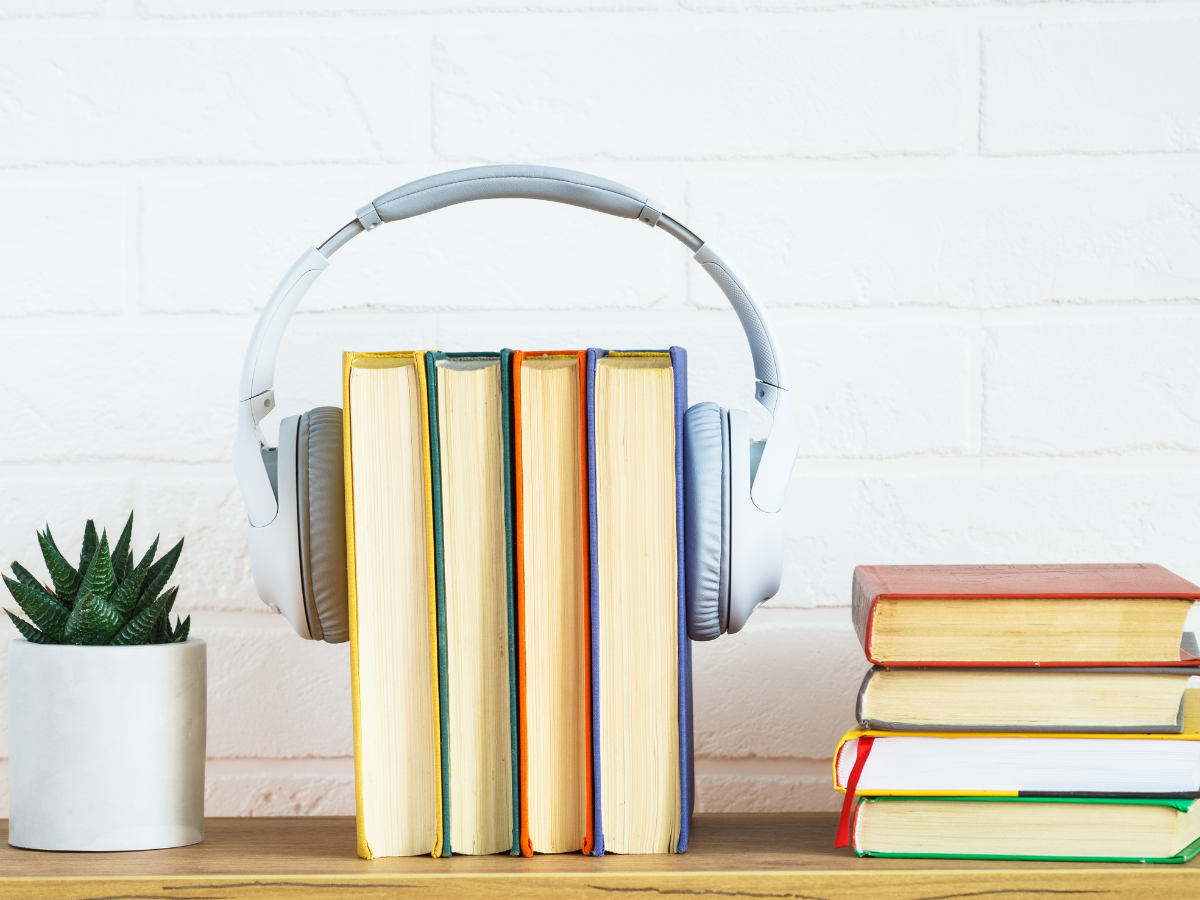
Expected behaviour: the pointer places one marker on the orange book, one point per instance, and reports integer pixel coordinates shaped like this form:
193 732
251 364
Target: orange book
553 639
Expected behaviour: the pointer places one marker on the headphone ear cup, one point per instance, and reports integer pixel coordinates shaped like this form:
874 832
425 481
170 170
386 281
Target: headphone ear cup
706 520
321 500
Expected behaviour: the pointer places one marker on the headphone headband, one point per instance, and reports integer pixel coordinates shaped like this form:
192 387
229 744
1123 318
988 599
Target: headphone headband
520 182
256 397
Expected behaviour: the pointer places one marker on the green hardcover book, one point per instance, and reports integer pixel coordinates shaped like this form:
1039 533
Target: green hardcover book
1070 829
471 444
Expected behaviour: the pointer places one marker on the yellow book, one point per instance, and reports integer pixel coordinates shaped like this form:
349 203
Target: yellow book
392 604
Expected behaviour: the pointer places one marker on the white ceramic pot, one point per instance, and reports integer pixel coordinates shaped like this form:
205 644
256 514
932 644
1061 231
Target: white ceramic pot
106 746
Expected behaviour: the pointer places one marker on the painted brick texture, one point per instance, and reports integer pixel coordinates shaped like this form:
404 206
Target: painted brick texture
975 224
818 93
1044 85
149 98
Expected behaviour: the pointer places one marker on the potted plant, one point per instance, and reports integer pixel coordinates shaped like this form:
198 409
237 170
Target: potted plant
106 703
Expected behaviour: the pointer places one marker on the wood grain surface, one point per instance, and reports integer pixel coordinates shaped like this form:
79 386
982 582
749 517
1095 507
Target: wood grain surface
734 856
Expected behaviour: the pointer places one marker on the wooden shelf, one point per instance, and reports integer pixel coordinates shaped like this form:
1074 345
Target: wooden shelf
751 856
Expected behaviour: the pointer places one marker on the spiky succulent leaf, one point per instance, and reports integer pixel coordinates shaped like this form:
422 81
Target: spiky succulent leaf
99 579
157 577
87 551
64 576
125 597
31 634
43 610
178 634
92 621
120 552
28 579
107 599
164 623
142 627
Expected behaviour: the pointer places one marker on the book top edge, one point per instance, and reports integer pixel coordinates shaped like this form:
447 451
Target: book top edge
1075 581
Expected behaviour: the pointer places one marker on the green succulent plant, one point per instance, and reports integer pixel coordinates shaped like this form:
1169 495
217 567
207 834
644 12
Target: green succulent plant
106 600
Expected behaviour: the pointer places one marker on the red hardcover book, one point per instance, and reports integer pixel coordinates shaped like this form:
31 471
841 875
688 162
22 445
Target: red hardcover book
1127 614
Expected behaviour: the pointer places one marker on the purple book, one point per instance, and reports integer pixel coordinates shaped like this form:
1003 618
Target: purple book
687 785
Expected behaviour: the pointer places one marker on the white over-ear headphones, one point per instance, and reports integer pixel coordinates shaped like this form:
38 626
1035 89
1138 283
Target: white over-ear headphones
733 487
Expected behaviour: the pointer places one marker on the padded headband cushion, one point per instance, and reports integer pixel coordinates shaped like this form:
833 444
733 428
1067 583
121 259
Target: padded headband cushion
493 182
321 501
706 520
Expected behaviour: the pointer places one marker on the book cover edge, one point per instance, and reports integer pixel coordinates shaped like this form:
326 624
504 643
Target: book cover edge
441 846
516 750
592 355
687 784
363 847
524 842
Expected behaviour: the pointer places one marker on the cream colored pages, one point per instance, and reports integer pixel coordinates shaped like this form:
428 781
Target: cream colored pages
556 654
395 675
639 668
1029 629
1021 829
1038 698
470 411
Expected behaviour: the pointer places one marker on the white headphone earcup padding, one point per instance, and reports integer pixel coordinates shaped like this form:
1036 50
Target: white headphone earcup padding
706 520
321 497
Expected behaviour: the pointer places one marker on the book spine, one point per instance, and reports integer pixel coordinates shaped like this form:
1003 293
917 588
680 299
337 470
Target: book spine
526 845
433 479
862 690
594 600
592 798
364 849
866 586
687 783
515 679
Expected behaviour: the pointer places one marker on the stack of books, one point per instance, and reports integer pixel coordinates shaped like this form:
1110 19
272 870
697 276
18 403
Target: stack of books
1023 712
521 673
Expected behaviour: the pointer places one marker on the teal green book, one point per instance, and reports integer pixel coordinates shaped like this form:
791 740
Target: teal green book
1064 829
470 424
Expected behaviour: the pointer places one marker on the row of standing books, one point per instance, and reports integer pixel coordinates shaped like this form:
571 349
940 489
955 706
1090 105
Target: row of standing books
521 673
1024 712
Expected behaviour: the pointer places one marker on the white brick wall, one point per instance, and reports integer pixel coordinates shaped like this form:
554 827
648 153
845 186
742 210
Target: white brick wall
700 89
976 223
1044 85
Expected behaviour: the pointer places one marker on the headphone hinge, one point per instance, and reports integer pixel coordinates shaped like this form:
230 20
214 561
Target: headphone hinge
650 213
261 404
369 216
767 395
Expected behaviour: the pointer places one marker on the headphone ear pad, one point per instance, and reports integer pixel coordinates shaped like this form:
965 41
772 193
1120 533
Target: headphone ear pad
321 500
706 520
